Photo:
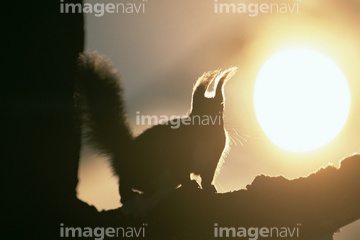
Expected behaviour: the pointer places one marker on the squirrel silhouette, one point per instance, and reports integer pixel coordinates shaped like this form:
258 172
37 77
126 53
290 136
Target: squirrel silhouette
162 156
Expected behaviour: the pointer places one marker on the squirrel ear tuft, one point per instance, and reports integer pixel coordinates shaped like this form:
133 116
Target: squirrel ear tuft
221 80
202 85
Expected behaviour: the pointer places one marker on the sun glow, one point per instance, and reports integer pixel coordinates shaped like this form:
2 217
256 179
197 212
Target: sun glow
301 100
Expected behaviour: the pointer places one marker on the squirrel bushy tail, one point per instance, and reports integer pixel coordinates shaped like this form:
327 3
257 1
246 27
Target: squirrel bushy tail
100 93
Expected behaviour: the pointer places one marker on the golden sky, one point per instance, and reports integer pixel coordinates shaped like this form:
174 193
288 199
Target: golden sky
161 53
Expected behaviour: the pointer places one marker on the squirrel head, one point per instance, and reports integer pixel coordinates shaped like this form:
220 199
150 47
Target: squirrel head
210 103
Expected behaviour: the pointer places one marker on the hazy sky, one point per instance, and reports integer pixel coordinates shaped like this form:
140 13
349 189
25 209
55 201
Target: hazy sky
161 53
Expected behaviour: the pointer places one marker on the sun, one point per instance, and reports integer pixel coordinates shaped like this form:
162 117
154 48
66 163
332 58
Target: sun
301 99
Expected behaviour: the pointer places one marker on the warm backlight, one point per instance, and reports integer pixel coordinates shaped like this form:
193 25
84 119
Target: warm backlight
301 99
